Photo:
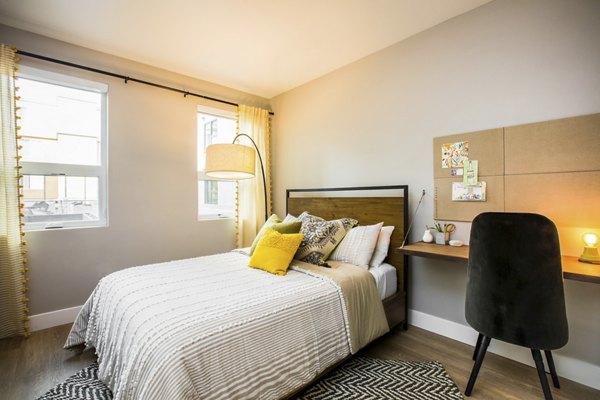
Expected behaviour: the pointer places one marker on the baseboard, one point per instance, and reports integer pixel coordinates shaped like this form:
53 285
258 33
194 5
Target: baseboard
568 367
53 318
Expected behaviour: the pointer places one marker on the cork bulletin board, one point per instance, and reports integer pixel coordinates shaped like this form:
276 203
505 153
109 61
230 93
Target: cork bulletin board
550 167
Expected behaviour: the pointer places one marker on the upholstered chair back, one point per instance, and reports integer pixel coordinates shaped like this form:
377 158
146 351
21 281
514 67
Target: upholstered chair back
515 284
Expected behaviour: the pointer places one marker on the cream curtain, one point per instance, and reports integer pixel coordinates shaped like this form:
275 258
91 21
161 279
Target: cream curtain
13 303
250 215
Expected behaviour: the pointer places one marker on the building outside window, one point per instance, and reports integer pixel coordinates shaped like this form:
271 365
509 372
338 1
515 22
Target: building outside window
63 134
216 198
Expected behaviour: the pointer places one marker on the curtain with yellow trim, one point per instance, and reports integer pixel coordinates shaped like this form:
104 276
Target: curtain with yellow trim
250 207
13 302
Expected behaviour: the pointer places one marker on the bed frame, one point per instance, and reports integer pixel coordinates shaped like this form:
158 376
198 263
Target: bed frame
332 203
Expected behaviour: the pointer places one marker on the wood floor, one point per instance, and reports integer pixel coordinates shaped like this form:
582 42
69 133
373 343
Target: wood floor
29 367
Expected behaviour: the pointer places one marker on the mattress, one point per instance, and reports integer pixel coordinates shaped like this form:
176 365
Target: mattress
386 280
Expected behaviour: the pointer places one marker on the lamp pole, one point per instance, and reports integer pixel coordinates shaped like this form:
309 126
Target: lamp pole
262 169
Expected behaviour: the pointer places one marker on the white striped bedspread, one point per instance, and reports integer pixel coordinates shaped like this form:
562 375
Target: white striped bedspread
212 328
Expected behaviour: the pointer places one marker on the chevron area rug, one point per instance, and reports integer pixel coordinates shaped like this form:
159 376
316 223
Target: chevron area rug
364 378
361 378
83 385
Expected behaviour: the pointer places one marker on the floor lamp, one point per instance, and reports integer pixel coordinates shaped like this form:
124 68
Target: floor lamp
233 162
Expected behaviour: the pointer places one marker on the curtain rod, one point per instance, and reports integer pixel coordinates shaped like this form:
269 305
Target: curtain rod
126 78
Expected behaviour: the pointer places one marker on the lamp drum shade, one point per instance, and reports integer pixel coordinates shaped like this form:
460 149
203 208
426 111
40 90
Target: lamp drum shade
230 161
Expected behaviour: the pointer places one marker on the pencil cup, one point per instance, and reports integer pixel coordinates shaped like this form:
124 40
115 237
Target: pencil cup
440 237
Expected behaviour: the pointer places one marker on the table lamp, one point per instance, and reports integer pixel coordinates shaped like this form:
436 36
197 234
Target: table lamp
590 250
234 161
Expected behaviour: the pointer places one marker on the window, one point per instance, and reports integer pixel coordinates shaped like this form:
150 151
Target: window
216 199
63 134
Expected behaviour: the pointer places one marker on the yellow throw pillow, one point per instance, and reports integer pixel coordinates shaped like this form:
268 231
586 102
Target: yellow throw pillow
275 251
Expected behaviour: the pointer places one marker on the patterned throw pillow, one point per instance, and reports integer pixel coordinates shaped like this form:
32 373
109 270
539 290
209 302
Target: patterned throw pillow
321 237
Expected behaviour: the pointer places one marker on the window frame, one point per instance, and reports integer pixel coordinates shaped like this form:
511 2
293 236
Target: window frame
201 176
77 170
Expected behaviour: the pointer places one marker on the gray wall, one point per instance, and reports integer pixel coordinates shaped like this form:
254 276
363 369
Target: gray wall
372 122
152 198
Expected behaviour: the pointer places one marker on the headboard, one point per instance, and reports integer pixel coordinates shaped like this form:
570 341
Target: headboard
379 203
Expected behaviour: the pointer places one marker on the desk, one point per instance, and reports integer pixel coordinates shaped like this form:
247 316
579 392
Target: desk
572 268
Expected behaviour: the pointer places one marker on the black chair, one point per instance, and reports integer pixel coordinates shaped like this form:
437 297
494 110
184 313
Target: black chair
515 288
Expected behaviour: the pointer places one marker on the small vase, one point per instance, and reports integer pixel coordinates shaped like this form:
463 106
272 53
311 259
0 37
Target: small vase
427 236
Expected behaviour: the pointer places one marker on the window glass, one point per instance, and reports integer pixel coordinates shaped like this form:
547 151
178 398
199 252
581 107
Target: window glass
216 199
59 124
50 199
63 139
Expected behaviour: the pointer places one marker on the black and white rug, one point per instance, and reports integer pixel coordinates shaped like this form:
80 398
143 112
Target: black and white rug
83 385
361 378
364 378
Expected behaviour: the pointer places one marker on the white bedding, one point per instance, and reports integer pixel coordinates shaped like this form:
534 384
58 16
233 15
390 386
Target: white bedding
190 329
386 280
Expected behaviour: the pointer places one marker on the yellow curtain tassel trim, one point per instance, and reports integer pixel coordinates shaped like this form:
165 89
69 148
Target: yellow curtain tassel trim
22 233
24 290
26 318
24 251
24 270
23 243
25 299
26 310
25 261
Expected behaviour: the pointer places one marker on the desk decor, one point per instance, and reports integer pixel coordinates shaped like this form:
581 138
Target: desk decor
427 236
590 251
455 154
463 192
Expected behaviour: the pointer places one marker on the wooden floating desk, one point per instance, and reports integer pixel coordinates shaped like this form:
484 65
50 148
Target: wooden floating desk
572 268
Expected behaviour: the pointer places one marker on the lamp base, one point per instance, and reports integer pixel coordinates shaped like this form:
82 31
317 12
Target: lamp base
589 261
590 255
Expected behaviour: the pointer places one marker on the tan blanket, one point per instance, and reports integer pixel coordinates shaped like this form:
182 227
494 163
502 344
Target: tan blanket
364 309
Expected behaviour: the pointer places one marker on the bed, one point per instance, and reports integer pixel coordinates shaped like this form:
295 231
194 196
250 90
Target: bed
210 327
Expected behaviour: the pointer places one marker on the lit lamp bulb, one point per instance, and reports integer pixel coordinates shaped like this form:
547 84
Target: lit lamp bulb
590 250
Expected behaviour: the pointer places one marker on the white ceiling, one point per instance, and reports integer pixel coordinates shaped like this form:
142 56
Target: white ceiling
263 47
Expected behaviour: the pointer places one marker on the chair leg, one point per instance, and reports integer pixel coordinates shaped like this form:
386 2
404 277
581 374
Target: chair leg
480 355
552 369
477 346
539 365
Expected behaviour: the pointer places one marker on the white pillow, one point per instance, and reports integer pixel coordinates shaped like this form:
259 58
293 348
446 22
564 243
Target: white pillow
290 218
382 247
357 246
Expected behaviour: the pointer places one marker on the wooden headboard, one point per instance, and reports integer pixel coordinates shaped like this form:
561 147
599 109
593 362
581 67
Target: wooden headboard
392 209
